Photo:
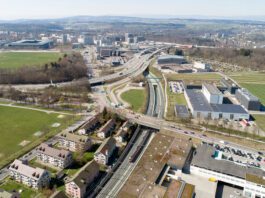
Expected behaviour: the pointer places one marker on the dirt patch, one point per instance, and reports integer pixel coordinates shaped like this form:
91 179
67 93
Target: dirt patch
24 143
38 133
60 116
55 125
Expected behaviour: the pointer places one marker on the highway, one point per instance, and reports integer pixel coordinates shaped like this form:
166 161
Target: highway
136 66
120 176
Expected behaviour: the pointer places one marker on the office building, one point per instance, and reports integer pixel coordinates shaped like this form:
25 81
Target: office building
36 178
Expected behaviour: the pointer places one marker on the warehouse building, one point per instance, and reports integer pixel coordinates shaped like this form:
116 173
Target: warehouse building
212 94
230 86
201 108
31 44
171 59
248 100
205 164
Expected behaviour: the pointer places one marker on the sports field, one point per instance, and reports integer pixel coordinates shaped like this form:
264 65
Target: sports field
16 60
253 81
136 98
21 129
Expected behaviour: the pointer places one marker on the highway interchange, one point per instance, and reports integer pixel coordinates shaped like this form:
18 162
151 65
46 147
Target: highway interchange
153 119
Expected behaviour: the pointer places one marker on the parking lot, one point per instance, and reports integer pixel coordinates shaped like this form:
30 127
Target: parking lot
176 87
242 157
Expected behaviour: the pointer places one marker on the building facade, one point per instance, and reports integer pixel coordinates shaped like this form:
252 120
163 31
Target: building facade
36 178
54 157
104 152
75 143
76 188
248 100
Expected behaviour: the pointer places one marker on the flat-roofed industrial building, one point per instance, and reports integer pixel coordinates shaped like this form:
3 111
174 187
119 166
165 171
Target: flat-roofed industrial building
248 100
249 178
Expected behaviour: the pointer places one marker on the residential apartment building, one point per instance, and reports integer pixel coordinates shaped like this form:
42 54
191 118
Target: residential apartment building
55 157
76 188
105 131
75 143
104 152
33 177
122 133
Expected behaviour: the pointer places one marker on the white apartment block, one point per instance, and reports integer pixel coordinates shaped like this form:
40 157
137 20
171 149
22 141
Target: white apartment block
75 143
53 156
36 178
104 152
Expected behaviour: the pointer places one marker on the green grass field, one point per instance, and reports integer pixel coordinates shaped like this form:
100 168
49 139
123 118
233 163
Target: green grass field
253 81
20 125
16 60
195 76
260 120
173 99
27 192
136 98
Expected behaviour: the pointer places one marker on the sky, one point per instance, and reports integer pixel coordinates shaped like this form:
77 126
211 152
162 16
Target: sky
26 9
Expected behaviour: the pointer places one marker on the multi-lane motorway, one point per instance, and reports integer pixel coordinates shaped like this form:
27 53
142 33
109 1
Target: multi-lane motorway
155 109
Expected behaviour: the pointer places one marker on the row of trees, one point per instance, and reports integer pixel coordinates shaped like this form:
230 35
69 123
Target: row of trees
68 68
247 58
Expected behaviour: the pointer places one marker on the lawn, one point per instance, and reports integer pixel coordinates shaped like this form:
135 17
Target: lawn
253 81
20 126
260 120
136 98
27 192
173 99
194 77
15 60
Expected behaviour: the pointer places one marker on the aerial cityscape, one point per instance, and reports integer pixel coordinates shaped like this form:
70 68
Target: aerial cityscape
132 99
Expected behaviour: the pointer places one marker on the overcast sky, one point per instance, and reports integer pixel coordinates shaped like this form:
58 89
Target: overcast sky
14 9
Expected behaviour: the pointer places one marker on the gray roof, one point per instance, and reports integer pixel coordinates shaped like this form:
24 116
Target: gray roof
86 173
198 101
106 145
228 108
203 158
53 152
30 42
212 89
248 95
182 109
